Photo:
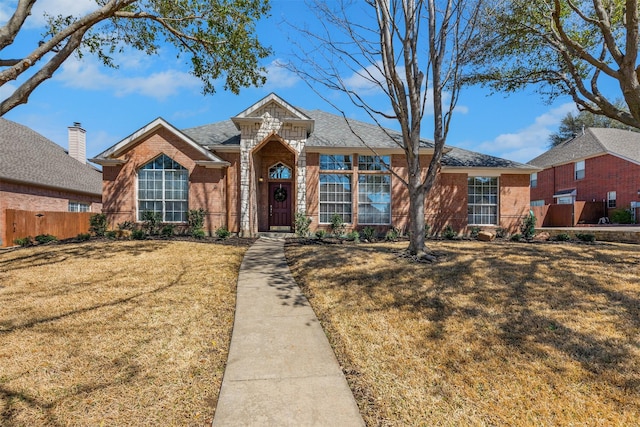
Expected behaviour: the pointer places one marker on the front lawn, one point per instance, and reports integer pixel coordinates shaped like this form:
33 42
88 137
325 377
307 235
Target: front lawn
493 334
115 333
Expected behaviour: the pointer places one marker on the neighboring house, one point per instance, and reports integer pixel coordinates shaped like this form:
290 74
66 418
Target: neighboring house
252 173
599 165
36 174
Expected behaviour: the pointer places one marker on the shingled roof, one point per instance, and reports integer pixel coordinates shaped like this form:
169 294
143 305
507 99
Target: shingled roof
593 142
332 131
27 157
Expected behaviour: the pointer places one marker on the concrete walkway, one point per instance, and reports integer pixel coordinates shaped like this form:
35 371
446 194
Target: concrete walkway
281 370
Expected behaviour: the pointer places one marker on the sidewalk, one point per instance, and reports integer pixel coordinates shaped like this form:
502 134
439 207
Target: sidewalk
281 370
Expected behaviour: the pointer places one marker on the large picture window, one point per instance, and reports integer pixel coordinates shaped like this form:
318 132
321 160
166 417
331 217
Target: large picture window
374 199
482 202
163 187
335 197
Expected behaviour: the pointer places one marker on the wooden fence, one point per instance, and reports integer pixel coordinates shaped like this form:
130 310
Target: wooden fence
568 215
63 225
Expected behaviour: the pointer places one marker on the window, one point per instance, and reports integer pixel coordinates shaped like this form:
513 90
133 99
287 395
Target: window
374 163
565 200
534 180
482 202
279 171
335 197
79 207
374 199
163 187
335 162
537 203
611 199
579 168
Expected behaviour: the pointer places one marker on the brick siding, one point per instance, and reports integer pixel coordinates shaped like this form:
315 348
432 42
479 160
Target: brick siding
602 174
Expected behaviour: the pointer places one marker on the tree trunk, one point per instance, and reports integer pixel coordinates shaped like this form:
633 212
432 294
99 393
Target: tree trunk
416 216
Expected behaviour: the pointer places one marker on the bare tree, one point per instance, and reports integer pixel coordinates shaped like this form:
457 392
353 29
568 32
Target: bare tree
217 35
381 42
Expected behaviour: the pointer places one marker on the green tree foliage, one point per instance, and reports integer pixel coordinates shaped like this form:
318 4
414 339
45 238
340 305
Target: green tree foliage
217 36
564 47
573 124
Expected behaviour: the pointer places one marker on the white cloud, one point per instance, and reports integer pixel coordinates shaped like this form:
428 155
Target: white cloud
59 7
366 81
278 77
529 142
6 90
87 74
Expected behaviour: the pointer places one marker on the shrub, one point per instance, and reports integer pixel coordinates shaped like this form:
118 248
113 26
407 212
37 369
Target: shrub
111 234
98 224
449 233
622 216
321 234
127 225
222 232
151 221
23 241
368 233
83 237
45 238
353 236
301 224
337 225
168 230
516 237
427 231
473 233
392 235
501 233
195 220
138 234
586 237
563 237
528 226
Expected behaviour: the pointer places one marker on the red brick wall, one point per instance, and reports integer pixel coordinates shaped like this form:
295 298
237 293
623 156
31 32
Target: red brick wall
33 198
207 187
446 204
514 196
602 174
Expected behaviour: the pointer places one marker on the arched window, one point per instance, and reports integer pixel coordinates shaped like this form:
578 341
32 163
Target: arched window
163 187
279 171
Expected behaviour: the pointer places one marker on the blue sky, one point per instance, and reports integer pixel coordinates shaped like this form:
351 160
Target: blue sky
111 104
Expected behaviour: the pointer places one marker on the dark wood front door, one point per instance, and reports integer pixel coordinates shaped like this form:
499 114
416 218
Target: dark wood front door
280 206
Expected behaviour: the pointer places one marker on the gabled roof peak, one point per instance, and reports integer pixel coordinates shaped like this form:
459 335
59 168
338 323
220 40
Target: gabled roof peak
273 106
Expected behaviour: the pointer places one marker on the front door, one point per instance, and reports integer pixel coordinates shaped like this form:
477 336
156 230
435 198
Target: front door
280 206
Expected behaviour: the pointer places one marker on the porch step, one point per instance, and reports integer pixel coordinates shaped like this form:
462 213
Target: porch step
275 234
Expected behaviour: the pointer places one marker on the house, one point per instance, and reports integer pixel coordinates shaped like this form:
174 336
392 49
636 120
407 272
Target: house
253 172
599 165
36 174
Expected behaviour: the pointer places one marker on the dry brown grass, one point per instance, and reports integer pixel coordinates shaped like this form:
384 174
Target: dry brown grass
493 334
115 333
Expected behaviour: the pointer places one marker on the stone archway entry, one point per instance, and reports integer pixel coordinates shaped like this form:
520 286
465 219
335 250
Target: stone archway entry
280 206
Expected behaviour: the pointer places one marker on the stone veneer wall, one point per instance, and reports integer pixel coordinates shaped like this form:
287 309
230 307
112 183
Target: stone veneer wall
269 121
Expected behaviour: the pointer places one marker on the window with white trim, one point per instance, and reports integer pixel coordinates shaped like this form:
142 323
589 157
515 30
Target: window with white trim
534 180
537 203
335 197
163 187
279 171
611 199
79 207
374 199
579 169
482 201
374 190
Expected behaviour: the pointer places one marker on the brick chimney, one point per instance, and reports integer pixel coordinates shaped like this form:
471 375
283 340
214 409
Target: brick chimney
78 142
